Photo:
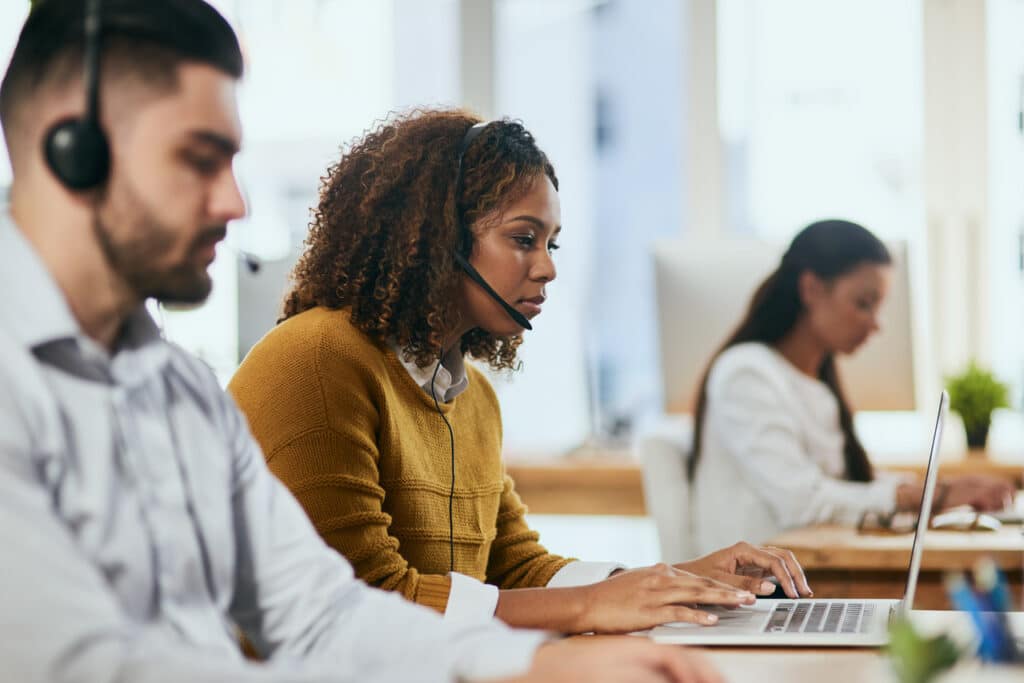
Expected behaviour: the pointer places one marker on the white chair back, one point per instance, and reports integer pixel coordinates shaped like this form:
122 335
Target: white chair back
662 452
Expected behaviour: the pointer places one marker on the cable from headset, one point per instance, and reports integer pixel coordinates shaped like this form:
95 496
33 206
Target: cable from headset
451 492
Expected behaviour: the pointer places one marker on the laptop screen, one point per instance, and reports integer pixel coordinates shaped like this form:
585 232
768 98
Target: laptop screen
924 515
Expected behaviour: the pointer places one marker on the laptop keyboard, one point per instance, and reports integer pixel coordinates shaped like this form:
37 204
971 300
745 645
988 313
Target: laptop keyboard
819 617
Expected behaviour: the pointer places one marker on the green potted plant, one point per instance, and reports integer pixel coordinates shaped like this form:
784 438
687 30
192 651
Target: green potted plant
974 394
916 658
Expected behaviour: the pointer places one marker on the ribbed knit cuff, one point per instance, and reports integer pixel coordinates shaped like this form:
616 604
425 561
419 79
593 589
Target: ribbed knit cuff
433 592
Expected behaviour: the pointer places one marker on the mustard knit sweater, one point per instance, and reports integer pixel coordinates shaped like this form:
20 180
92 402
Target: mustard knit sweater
346 428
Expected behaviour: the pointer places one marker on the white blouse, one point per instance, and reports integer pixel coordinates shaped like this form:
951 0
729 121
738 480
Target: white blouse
772 454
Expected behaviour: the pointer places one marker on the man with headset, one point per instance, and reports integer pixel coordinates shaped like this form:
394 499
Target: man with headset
138 522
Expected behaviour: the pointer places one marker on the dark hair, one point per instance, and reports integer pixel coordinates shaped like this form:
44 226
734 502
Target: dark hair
829 249
150 37
383 238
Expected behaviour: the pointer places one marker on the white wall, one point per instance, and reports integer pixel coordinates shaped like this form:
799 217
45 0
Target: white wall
426 49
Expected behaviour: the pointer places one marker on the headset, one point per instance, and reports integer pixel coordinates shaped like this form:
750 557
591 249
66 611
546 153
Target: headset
465 237
76 149
464 245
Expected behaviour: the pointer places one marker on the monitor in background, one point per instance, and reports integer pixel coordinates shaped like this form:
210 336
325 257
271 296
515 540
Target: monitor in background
260 298
703 289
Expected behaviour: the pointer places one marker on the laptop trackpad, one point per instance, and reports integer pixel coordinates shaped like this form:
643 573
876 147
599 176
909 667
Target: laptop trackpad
728 618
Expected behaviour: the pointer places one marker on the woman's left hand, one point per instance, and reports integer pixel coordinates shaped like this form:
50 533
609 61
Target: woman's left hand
746 566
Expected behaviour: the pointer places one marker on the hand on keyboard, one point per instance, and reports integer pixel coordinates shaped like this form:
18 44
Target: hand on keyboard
642 598
744 566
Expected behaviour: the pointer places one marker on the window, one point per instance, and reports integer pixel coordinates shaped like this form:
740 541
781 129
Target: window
1006 190
12 16
821 115
820 110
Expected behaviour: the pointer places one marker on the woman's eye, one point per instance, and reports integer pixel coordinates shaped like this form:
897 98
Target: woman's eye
554 246
524 240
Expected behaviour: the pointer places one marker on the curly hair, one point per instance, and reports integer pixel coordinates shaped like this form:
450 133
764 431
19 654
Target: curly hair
382 238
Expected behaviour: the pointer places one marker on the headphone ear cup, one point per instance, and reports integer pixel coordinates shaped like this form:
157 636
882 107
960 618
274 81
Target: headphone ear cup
77 153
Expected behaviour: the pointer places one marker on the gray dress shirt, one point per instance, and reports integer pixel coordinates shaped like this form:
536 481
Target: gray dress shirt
139 526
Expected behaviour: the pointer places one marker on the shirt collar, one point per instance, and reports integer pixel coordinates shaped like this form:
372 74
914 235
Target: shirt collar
35 311
451 379
33 306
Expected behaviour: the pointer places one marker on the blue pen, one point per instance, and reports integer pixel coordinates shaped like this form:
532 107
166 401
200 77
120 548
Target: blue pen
965 600
991 581
988 578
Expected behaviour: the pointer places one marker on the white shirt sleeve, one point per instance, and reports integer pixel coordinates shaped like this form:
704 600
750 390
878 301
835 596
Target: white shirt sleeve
475 602
470 601
296 598
579 573
756 427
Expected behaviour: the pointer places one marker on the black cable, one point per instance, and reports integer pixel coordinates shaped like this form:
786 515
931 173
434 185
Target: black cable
451 492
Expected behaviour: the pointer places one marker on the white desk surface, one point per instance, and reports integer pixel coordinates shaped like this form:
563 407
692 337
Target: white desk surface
847 665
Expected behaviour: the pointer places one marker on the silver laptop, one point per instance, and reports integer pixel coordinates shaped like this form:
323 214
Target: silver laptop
817 623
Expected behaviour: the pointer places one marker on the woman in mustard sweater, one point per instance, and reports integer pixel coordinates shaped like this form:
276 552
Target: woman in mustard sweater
395 456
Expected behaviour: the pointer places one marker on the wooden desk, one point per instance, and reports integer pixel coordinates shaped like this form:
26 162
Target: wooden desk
839 562
611 484
590 485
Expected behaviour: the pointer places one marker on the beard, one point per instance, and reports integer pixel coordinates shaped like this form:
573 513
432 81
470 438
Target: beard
136 250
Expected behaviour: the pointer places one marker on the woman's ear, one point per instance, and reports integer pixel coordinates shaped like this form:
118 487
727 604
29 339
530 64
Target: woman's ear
811 288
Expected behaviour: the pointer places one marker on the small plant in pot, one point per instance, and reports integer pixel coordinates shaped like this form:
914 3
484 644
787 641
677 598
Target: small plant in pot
974 394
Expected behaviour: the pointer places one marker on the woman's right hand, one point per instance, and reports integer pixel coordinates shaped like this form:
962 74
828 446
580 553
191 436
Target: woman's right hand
642 598
984 493
617 660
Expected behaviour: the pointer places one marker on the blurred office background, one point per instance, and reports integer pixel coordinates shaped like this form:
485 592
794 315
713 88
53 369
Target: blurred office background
665 119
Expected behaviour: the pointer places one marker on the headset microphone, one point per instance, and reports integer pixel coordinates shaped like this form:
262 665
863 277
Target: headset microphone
76 149
252 262
476 277
465 238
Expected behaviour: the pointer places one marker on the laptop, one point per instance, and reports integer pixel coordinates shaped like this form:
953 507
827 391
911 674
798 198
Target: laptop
817 622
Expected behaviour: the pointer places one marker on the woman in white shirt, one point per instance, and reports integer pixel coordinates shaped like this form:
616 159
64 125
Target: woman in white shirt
774 443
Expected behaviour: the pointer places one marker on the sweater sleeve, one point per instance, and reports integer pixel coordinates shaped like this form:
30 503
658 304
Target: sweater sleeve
329 462
750 419
517 559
